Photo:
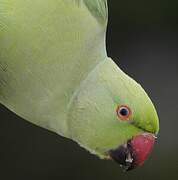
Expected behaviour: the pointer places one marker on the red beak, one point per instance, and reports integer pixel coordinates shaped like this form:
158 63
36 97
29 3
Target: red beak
134 152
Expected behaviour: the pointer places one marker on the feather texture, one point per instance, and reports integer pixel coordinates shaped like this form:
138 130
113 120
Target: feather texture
98 9
46 49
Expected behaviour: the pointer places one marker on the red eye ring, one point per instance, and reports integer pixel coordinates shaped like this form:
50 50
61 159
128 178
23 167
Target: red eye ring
124 113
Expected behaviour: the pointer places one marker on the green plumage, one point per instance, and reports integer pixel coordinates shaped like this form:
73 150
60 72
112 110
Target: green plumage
55 73
98 8
46 51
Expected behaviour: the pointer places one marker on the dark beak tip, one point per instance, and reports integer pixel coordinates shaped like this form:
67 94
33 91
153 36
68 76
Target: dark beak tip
126 166
123 157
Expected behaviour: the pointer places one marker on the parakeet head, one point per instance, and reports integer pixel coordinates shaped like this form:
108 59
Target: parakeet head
112 116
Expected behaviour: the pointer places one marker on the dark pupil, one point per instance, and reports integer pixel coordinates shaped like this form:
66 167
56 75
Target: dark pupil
124 112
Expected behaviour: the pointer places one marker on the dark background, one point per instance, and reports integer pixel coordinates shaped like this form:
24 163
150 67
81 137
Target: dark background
143 40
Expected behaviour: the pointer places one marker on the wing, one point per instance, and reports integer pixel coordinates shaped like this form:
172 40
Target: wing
98 9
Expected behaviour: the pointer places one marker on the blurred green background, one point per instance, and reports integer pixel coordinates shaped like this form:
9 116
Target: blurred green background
143 41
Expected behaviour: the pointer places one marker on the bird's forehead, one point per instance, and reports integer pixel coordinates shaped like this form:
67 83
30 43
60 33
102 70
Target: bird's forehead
143 110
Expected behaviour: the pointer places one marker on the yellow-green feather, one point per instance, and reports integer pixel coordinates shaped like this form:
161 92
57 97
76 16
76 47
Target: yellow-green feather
98 8
55 73
47 47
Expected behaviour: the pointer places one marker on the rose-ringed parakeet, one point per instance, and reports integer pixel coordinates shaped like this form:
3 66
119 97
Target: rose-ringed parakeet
55 73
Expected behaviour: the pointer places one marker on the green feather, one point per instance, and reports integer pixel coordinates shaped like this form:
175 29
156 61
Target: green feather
55 73
98 8
46 50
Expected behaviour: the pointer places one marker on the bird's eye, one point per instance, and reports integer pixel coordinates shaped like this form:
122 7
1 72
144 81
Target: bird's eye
124 113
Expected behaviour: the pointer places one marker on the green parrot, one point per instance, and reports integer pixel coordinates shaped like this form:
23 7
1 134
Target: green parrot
55 73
